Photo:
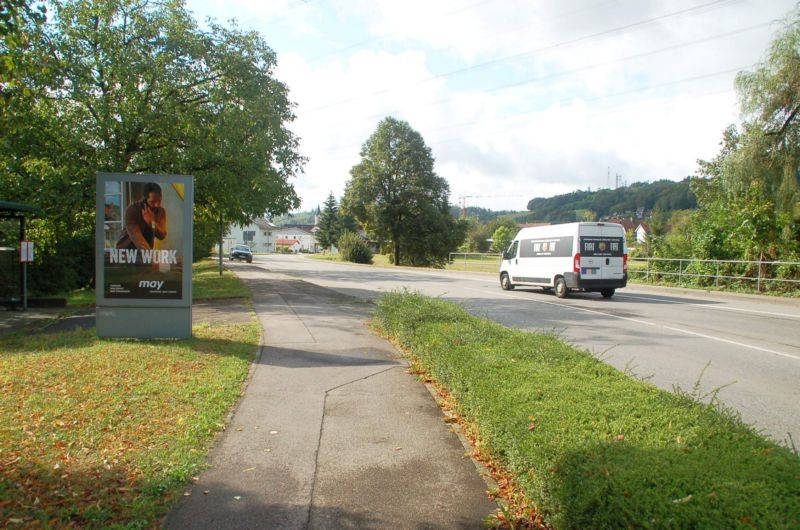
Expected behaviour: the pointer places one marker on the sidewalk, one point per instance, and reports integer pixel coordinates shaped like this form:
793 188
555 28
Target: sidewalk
331 431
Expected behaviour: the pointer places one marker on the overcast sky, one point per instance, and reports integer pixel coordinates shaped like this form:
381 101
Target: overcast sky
516 98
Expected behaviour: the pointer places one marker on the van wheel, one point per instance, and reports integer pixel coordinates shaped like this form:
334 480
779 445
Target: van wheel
505 282
607 293
561 288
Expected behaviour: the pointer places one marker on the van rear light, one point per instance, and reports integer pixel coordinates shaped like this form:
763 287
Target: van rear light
576 266
624 263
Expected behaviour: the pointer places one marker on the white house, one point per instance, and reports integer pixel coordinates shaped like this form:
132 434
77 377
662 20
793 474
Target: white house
258 235
295 238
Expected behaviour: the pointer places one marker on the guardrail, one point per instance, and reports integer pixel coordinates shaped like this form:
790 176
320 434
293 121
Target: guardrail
761 275
475 261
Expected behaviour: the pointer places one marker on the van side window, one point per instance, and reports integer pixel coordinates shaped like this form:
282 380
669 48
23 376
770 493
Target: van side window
511 253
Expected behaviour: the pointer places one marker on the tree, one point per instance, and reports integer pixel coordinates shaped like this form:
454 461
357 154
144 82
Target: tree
135 86
749 200
329 225
395 194
502 238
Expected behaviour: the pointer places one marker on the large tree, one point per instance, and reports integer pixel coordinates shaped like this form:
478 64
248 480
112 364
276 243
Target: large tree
137 86
396 195
749 199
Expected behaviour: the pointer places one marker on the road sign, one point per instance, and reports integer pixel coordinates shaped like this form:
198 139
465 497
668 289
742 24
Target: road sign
26 252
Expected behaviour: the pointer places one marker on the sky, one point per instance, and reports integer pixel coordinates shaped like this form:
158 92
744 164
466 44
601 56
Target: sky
517 99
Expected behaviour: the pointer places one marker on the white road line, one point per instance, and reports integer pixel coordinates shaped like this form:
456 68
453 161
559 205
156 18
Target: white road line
653 324
709 306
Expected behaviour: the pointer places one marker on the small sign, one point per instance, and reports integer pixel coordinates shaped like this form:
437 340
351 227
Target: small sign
26 252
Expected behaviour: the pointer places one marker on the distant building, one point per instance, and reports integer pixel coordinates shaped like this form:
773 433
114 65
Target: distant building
640 229
258 235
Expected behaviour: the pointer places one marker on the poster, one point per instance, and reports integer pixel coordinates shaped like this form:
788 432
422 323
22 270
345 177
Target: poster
144 232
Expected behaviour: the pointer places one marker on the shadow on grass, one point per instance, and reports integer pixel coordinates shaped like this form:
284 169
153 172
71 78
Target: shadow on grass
22 343
86 496
617 485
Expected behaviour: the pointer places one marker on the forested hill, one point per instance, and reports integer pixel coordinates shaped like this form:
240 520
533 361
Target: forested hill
663 195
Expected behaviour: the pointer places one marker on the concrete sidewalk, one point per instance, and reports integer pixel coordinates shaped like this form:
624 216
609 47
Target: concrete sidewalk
331 431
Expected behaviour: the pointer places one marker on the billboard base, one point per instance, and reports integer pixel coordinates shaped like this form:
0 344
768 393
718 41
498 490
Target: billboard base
144 322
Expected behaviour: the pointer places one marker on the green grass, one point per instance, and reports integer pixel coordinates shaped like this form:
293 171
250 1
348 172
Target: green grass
208 284
589 446
98 433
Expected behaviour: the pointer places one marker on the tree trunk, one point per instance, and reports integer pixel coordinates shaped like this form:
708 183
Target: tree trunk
396 251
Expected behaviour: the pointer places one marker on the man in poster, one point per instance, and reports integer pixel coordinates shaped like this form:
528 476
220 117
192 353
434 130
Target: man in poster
145 220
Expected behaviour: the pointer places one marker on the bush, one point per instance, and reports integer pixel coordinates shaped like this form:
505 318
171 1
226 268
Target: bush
353 248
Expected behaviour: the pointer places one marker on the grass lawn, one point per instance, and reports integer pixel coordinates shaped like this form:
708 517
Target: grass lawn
98 433
587 446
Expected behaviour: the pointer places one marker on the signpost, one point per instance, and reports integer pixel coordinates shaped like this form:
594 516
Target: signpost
143 255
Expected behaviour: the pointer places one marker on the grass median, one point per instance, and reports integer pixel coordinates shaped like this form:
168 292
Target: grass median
588 446
98 433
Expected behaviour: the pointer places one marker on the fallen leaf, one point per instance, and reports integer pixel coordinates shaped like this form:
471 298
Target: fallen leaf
273 432
619 437
237 498
206 492
531 427
248 469
187 494
683 500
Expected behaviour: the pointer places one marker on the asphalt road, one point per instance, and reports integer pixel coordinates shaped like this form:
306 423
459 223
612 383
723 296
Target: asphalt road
745 347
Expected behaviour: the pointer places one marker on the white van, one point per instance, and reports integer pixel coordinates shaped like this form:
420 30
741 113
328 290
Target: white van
580 256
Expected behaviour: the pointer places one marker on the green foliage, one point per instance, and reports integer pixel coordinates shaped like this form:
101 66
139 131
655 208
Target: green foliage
502 238
665 195
135 86
329 225
749 198
354 249
590 446
395 194
478 235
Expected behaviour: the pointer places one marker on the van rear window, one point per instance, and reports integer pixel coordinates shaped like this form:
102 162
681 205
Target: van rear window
612 247
554 247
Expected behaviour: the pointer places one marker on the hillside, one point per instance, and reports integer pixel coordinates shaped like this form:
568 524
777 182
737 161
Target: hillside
663 195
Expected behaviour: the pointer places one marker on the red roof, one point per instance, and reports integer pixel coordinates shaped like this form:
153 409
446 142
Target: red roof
286 242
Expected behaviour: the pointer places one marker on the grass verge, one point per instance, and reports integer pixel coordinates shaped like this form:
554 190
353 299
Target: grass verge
103 433
207 284
588 446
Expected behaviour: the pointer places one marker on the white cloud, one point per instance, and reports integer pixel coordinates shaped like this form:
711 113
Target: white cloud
563 100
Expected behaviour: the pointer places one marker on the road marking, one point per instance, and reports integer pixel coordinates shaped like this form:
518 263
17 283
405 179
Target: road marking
716 308
653 324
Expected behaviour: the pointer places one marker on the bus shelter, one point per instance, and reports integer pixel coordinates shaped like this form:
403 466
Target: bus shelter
13 272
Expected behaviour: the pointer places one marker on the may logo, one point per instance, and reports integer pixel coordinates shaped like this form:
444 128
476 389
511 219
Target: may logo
151 284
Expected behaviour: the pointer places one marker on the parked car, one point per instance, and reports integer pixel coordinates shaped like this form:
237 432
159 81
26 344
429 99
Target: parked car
241 252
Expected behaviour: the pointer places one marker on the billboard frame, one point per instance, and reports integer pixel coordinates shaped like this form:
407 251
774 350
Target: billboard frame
134 315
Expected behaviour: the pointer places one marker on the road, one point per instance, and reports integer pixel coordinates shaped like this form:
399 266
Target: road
745 347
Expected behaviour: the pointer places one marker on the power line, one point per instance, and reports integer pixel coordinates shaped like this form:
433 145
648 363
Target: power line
618 29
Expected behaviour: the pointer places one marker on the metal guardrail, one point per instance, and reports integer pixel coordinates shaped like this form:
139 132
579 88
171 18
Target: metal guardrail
474 260
762 273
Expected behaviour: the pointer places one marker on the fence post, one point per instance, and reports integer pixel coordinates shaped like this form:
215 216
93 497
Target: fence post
758 284
648 270
716 278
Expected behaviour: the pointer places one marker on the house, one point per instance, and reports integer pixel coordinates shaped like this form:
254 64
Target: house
258 235
301 234
639 229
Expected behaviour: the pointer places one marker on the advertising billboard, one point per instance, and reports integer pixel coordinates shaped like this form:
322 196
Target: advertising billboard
144 245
